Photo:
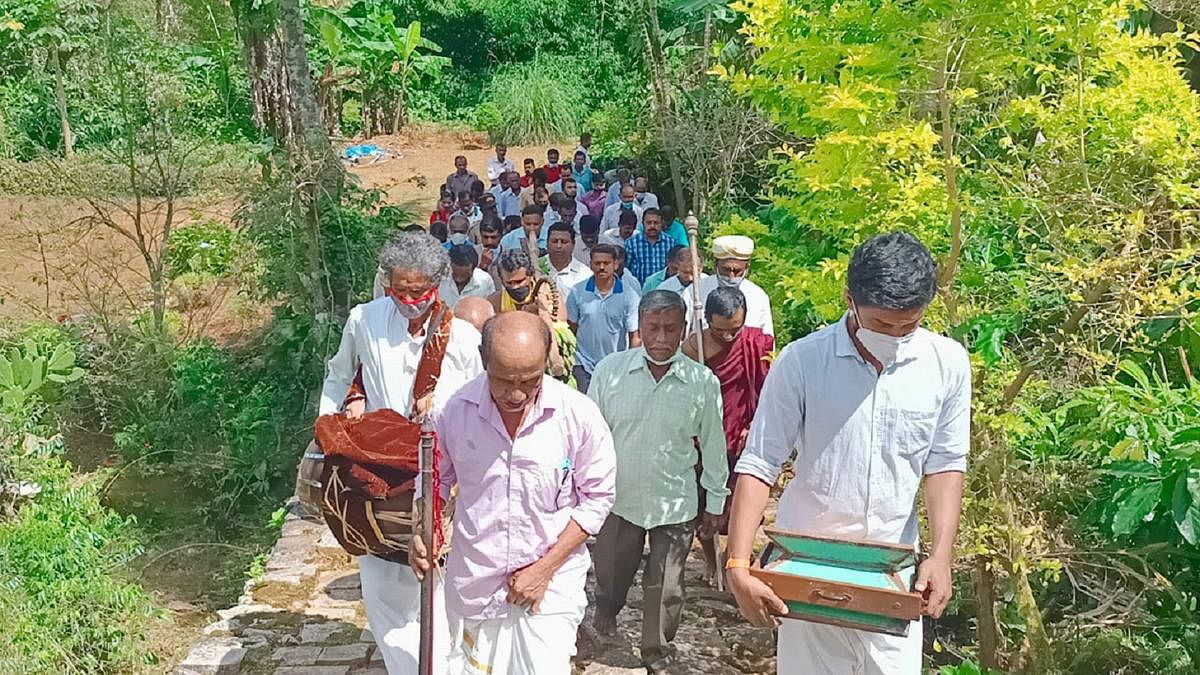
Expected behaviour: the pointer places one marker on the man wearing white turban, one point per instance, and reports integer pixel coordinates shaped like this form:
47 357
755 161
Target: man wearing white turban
731 256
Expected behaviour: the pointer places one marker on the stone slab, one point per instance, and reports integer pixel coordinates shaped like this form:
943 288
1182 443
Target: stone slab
296 656
215 656
345 655
319 632
313 670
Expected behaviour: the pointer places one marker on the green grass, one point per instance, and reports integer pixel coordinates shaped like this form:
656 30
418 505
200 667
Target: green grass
535 102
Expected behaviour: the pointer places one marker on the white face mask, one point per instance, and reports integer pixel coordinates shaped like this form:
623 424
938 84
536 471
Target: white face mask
667 361
457 238
885 348
729 282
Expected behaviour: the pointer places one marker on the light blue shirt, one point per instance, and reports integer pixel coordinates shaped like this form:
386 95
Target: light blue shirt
862 441
654 280
516 238
582 178
604 323
614 193
507 203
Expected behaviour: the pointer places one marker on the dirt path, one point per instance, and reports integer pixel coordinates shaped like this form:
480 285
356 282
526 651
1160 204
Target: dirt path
304 616
427 156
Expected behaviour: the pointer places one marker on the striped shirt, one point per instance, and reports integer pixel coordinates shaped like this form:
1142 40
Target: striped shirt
646 257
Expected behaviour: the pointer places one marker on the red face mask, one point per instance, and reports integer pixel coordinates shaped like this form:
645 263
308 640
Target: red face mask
410 308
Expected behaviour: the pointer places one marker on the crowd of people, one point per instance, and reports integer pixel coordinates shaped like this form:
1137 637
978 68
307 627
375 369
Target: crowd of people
579 398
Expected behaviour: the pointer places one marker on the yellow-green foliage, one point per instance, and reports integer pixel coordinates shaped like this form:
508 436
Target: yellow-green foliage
1064 141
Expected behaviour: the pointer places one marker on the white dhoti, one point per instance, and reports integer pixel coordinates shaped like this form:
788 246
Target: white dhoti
815 649
518 644
806 647
392 598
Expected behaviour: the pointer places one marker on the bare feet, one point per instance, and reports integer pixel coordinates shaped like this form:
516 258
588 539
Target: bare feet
604 624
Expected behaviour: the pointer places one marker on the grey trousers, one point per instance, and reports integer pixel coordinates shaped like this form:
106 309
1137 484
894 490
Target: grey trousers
618 554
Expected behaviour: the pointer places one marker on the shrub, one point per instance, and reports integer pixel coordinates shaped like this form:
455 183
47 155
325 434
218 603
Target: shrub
537 102
61 608
207 248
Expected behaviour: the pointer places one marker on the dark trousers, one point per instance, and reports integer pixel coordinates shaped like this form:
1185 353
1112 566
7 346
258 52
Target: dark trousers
618 553
583 378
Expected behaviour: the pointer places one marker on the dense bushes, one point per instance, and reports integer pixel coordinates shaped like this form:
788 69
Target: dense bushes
63 606
1053 173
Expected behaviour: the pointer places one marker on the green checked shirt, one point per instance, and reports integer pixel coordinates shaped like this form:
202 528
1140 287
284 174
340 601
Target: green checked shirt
653 424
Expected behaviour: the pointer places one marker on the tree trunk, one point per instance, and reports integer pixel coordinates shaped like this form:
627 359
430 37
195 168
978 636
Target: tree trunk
657 65
401 102
60 95
707 48
263 52
989 637
317 171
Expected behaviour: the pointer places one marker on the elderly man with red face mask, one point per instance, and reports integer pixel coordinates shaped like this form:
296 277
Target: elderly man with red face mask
383 344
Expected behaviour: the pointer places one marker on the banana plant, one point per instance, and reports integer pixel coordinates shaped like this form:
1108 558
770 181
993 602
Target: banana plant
382 58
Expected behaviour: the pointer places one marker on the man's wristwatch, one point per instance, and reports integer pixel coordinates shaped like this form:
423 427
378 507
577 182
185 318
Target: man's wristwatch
737 563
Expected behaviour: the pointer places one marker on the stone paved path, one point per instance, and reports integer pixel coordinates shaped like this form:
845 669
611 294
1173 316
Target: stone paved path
304 616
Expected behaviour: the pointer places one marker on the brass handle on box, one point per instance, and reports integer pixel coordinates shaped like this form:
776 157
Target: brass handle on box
832 597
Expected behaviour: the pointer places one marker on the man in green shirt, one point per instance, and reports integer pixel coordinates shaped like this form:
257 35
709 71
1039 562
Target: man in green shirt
656 400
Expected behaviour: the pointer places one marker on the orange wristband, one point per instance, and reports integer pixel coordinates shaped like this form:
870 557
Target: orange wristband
736 563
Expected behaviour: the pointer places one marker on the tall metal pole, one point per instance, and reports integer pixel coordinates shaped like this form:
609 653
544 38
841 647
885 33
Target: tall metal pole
425 654
693 231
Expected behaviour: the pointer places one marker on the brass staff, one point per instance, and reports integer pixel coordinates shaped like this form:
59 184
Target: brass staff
693 232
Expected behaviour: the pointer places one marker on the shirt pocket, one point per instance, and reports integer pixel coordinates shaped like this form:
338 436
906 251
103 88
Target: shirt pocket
614 316
547 487
914 432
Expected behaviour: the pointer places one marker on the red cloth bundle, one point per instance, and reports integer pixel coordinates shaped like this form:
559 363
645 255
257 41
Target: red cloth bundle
383 448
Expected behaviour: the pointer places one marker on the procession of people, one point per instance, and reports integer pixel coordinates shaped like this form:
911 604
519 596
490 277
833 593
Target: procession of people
537 357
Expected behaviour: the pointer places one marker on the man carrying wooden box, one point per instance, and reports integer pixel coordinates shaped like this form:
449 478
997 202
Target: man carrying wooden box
871 405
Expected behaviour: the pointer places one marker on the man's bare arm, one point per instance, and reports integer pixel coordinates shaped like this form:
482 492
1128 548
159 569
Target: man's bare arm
757 602
527 586
943 500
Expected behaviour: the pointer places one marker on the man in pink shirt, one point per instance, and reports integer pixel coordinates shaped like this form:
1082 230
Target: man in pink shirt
535 468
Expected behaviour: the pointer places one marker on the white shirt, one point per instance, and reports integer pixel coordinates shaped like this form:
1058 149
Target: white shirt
613 212
631 281
611 237
377 338
673 284
758 305
583 253
649 200
480 285
566 279
495 167
862 441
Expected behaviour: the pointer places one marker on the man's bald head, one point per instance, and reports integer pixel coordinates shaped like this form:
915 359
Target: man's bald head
474 310
515 339
515 348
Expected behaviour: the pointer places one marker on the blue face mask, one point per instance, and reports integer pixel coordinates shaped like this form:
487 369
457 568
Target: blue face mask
628 206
